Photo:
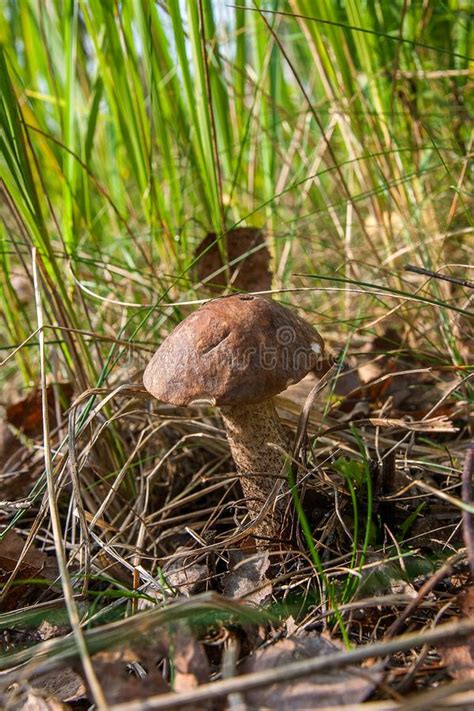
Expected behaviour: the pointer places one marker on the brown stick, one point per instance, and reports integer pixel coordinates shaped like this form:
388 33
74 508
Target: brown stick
425 589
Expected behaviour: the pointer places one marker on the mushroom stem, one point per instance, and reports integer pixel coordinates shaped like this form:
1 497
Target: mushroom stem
250 429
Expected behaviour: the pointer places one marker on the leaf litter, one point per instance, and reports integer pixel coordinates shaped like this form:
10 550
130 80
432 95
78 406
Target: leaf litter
334 688
406 419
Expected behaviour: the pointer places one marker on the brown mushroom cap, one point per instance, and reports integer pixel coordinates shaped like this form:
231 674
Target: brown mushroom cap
239 349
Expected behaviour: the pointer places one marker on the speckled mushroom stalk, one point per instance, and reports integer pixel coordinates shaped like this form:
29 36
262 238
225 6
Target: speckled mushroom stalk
251 430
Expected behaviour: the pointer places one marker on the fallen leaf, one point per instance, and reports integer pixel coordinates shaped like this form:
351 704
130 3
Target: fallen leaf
331 688
191 667
291 626
459 658
26 415
46 630
35 701
34 564
141 669
251 273
22 423
62 684
187 576
247 578
9 446
126 673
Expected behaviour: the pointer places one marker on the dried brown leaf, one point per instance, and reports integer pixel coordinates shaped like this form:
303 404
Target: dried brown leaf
35 701
336 688
459 658
62 684
125 674
136 672
252 273
20 697
9 445
23 421
190 661
34 564
26 415
187 576
247 578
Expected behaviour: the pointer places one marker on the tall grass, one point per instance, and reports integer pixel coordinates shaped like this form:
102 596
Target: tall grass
130 130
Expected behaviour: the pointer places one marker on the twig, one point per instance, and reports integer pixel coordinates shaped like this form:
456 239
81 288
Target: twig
436 275
73 612
230 655
305 412
439 697
466 494
425 589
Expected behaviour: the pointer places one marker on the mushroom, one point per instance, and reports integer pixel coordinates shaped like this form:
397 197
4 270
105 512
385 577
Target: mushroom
236 352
